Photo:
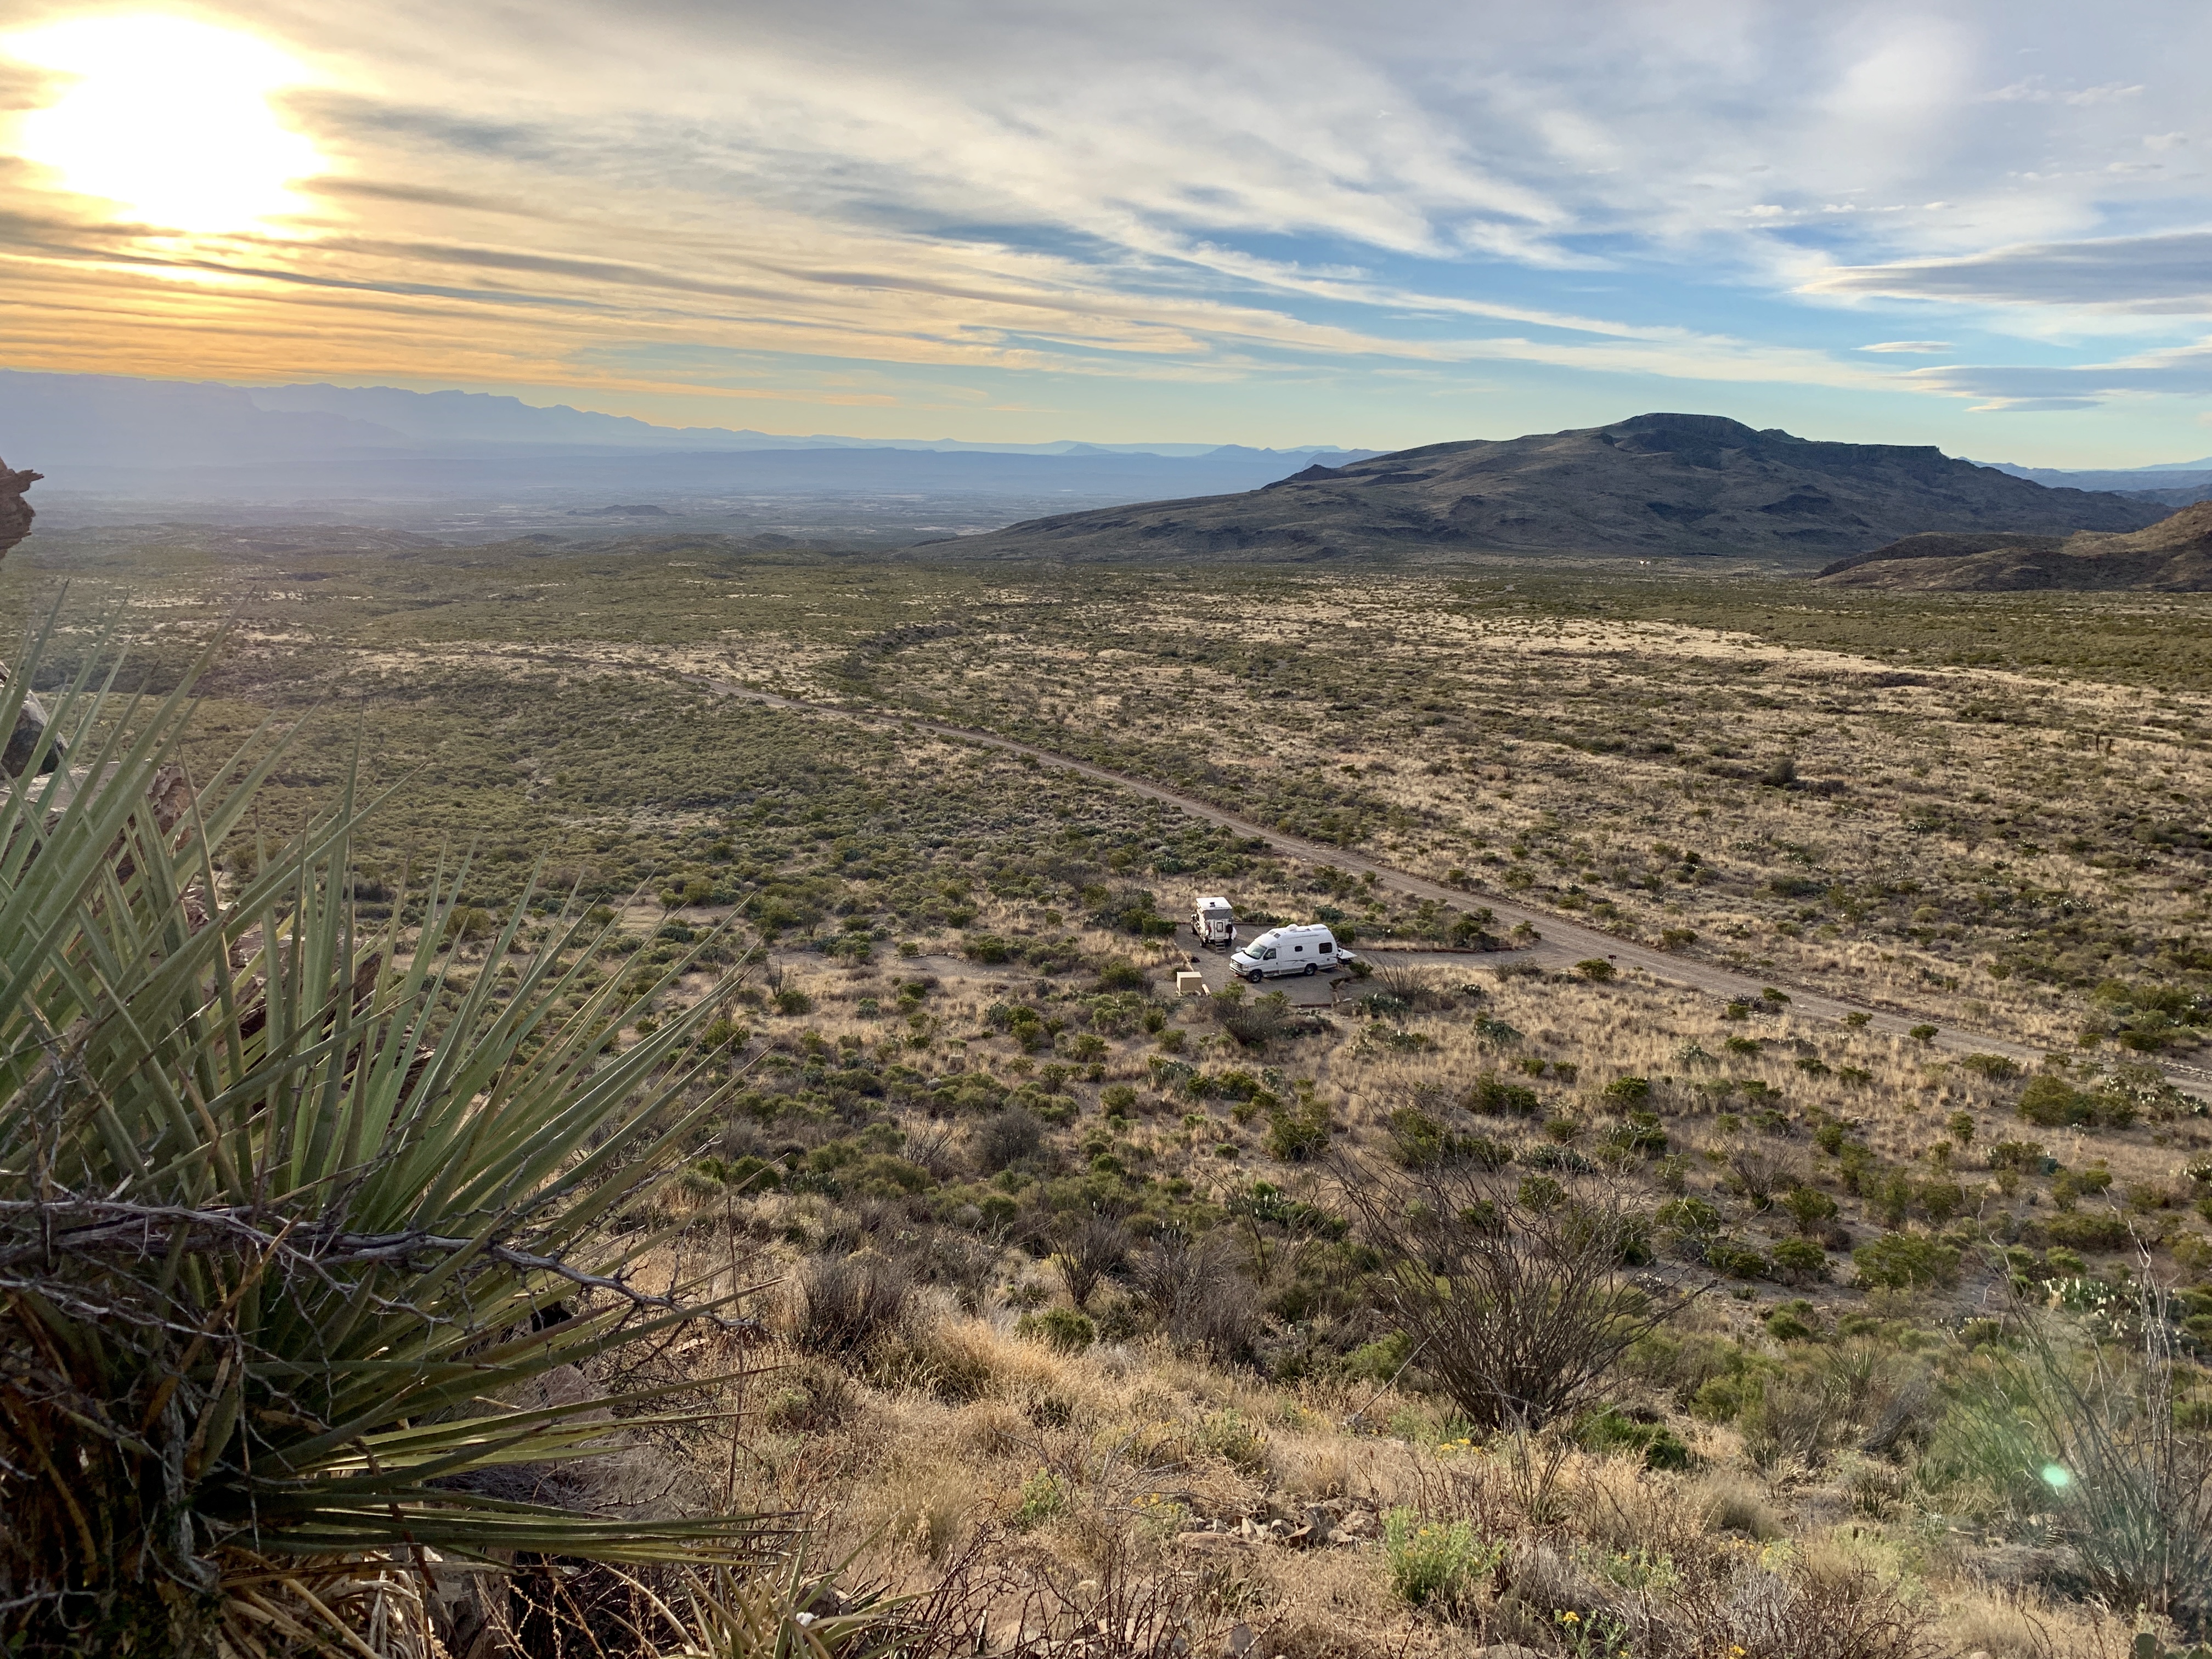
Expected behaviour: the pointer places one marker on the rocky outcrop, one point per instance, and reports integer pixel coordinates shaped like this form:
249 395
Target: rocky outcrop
1653 485
16 513
15 516
2173 555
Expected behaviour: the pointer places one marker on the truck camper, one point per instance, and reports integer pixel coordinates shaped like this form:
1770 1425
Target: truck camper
1212 920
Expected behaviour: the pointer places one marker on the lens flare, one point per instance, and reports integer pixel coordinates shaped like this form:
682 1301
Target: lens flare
168 117
2055 1477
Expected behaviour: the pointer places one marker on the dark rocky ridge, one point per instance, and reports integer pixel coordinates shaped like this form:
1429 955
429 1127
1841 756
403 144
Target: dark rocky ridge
2173 555
1653 484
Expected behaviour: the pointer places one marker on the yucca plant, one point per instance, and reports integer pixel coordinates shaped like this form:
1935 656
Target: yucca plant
287 1207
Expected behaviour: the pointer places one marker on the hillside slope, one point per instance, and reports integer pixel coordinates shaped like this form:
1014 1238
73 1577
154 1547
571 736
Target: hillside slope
1668 484
2171 557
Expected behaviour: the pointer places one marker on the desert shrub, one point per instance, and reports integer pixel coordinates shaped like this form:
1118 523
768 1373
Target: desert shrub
1641 1134
1257 1023
1419 1141
1069 1330
988 949
1906 1260
844 1305
1438 1564
2052 1103
1006 1137
1596 969
1810 1208
1298 1132
1193 1290
1795 1419
1092 1246
2088 1230
1493 1097
1519 1306
1237 1440
1800 1259
2087 1430
1615 1431
1802 1605
1043 1497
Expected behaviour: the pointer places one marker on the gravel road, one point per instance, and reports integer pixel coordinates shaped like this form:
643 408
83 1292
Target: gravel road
1563 940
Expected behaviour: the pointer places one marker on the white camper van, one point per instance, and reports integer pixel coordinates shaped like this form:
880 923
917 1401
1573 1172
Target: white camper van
1213 922
1307 949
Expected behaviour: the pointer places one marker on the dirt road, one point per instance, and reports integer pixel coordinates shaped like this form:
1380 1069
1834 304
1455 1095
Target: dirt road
1565 940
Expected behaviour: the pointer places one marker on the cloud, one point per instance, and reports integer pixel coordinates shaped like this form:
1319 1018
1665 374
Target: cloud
1233 192
2168 273
2032 405
2184 371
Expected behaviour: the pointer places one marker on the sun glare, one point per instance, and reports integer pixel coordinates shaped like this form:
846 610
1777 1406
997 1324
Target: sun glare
168 117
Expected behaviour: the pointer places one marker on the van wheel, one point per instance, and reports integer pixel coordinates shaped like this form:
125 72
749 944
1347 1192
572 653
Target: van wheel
1256 976
1310 967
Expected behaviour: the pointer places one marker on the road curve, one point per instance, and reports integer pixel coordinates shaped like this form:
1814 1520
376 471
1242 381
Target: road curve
1565 940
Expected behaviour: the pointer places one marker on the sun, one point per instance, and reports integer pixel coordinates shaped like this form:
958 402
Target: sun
168 117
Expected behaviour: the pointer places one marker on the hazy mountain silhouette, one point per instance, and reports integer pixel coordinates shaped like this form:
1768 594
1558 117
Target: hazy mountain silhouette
1653 485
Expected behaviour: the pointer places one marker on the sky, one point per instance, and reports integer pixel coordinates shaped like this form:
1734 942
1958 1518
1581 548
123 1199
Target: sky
1983 225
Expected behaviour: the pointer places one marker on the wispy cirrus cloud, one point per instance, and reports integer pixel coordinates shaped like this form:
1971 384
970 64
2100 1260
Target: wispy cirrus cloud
1673 202
2167 272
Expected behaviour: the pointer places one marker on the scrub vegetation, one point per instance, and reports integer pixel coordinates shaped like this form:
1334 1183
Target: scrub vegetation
1060 1313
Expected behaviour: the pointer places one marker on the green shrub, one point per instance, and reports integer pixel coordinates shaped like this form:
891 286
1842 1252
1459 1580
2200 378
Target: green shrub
1613 1430
1299 1133
1736 1260
1493 1097
2088 1230
2052 1103
1067 1329
1237 1440
1809 1207
1801 1258
1596 969
988 948
1436 1564
1906 1260
1043 1497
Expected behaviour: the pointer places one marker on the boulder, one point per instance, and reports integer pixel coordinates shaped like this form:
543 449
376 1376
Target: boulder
16 514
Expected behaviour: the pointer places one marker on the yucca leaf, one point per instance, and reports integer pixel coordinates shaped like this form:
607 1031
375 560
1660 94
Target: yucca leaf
356 1185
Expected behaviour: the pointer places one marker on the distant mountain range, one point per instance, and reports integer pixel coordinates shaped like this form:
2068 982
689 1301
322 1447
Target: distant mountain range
110 424
2176 483
1653 485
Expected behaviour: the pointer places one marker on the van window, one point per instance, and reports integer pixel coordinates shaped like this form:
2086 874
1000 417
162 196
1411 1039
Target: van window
1300 949
1325 947
1267 955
